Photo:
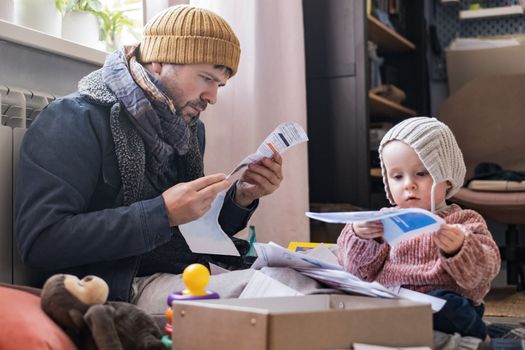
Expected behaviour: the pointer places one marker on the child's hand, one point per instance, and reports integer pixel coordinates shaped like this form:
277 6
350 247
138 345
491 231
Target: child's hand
368 229
449 239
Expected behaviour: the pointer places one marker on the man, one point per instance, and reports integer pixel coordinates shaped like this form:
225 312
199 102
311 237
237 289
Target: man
108 173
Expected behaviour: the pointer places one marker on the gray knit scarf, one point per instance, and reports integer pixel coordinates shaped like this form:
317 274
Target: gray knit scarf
155 148
151 111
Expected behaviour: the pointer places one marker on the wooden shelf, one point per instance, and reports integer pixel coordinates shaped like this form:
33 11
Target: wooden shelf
492 12
381 107
385 38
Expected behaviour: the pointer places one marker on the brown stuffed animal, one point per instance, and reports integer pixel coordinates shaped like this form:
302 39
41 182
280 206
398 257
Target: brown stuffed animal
80 308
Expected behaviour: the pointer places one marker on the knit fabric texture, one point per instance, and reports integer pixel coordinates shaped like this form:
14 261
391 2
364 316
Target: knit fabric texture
132 156
417 263
435 145
186 34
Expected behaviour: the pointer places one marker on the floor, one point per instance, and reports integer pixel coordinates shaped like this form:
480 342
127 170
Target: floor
506 299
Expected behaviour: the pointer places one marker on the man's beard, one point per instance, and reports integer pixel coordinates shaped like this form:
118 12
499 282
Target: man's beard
190 117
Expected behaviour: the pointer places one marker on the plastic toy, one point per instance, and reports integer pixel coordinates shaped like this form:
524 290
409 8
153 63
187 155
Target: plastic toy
195 278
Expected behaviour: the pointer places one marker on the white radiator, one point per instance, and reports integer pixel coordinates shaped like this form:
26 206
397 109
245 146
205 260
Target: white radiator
19 107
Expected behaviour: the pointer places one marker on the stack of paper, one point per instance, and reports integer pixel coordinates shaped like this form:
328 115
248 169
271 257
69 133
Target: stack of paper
332 275
347 282
273 255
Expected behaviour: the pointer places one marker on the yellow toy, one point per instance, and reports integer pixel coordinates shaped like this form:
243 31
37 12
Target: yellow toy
195 278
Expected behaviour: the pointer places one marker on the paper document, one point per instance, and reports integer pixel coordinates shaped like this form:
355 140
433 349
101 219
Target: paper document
323 253
398 224
435 302
332 275
346 282
262 286
281 139
272 254
205 235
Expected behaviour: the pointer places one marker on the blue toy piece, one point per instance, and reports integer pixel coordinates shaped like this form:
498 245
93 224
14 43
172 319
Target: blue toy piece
166 340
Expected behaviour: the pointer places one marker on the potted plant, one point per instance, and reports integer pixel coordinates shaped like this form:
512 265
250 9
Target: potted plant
67 6
41 15
112 22
79 21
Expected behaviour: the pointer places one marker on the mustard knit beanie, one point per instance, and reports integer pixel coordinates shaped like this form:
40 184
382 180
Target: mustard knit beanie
186 34
437 148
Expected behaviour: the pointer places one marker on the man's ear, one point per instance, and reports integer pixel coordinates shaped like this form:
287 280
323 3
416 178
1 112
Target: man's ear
156 67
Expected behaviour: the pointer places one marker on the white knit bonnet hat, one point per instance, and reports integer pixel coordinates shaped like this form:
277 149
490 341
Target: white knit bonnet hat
437 148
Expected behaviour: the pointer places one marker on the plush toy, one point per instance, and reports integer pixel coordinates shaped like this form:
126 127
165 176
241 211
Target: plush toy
80 308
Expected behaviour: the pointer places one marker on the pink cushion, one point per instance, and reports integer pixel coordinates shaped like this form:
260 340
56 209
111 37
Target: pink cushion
23 324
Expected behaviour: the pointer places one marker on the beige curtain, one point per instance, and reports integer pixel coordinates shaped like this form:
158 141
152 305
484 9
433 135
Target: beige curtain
151 7
268 89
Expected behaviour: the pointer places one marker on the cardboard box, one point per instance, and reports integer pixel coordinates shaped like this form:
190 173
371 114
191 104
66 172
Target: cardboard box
466 65
305 322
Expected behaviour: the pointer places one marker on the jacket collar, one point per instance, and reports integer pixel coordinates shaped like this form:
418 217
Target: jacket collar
93 88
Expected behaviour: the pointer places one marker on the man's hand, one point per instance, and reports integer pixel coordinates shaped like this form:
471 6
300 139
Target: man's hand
260 179
368 229
449 239
188 201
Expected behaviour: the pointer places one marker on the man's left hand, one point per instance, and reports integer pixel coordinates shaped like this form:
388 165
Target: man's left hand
260 179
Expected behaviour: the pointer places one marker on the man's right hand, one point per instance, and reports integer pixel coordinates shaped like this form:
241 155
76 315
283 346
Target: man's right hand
188 201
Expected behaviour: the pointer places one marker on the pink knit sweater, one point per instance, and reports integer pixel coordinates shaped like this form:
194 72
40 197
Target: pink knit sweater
418 264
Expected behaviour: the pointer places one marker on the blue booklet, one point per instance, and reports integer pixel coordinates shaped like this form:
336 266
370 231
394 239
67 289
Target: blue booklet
398 224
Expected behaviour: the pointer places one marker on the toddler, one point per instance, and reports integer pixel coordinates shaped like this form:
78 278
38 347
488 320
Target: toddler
422 166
